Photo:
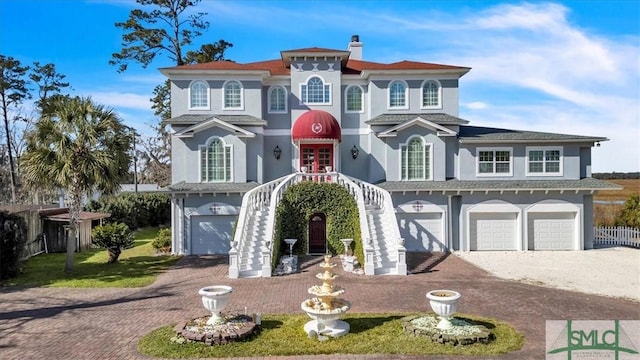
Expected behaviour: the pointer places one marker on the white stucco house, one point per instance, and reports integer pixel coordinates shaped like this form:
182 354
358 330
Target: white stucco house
391 134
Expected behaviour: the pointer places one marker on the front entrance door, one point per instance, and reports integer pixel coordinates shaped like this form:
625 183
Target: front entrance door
318 234
316 157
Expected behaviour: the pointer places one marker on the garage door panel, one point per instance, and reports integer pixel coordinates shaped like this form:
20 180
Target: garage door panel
493 231
211 234
551 231
422 232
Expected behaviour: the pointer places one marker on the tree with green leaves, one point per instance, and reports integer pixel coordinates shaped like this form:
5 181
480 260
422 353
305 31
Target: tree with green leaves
164 29
80 147
630 213
49 82
13 91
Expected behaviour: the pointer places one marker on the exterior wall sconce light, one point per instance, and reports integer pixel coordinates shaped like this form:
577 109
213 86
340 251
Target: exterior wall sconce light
277 152
354 152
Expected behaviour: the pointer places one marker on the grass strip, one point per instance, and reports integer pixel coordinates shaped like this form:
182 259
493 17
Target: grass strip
283 335
136 267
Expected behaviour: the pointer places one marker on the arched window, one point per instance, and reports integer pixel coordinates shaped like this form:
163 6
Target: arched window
215 161
315 91
199 95
232 95
398 95
416 160
354 99
277 99
431 94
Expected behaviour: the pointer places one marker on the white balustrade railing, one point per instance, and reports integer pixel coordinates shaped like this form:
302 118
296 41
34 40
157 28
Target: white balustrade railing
374 195
270 194
253 200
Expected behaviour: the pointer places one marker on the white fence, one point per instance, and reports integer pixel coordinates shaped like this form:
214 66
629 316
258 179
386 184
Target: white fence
621 236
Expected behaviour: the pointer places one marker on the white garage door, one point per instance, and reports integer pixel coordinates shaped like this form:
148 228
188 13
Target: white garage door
551 231
422 232
493 231
211 234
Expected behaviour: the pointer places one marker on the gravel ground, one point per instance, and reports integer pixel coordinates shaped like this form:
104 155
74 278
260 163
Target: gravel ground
613 271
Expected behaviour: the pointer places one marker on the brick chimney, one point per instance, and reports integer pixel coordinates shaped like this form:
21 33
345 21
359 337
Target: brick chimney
355 47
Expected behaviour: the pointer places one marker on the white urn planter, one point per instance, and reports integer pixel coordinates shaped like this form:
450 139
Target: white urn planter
215 298
444 303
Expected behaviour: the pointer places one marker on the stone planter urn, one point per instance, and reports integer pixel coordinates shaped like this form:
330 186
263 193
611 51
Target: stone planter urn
444 303
215 298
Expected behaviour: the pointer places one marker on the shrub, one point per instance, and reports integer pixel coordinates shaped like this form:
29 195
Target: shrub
13 236
114 237
137 210
300 201
163 240
630 213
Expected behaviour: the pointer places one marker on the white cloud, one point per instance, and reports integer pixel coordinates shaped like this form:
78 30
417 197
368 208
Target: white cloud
476 105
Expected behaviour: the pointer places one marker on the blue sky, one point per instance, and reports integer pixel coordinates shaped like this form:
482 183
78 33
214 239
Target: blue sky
569 67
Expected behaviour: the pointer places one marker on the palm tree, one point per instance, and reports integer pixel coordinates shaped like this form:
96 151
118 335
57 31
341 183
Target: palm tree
79 147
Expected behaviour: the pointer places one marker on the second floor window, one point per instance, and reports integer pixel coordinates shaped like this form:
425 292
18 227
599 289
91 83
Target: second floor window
496 162
215 161
354 99
315 91
232 95
198 95
544 161
277 100
431 94
416 160
398 95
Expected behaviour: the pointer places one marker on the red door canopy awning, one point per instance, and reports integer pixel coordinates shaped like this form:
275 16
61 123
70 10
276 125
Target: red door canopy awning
316 124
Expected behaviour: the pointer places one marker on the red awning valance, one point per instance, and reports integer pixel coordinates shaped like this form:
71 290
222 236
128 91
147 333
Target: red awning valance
316 124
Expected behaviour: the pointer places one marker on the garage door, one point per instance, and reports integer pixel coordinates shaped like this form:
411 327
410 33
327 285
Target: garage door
551 231
493 231
422 232
211 234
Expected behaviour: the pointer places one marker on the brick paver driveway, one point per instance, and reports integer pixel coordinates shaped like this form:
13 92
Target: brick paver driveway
54 323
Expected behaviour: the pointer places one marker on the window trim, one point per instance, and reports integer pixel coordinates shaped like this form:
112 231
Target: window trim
225 146
426 145
304 99
428 107
224 95
544 162
494 150
346 102
208 91
286 96
406 95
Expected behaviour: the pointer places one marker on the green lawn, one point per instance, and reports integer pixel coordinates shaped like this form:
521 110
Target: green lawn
370 334
136 267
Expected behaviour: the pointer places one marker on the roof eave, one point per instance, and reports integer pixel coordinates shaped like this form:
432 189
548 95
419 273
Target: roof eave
365 73
522 141
169 72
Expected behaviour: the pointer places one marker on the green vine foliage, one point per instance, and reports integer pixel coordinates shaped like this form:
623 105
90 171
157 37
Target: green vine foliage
302 200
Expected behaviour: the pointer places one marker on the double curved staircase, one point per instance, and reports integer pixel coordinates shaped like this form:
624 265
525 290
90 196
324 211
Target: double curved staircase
251 249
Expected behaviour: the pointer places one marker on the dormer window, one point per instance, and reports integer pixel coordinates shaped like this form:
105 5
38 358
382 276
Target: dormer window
431 95
315 91
353 99
277 99
232 95
199 95
398 96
